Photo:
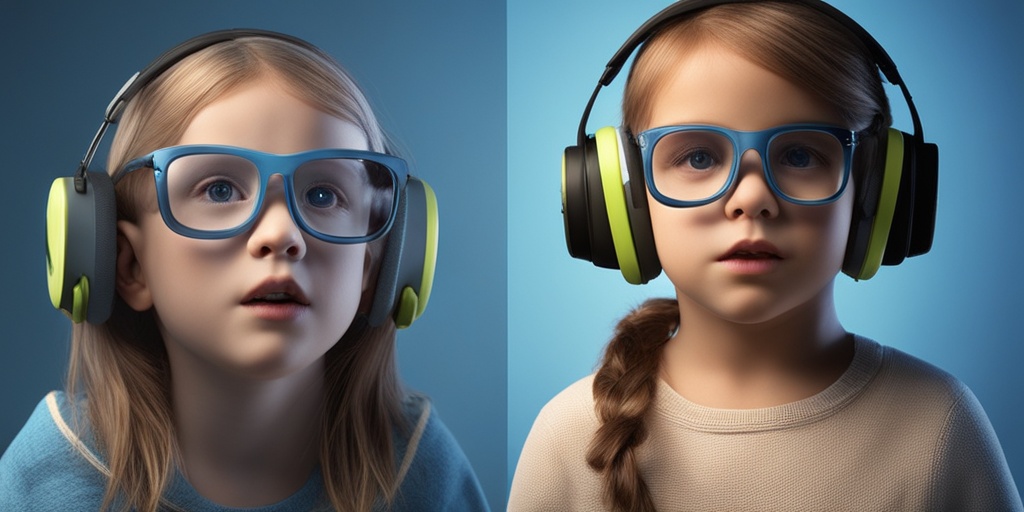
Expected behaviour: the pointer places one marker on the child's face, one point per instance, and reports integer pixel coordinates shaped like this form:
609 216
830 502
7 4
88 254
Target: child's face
207 293
750 256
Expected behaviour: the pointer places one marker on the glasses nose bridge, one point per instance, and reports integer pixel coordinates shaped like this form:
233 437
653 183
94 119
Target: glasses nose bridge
276 184
269 169
758 142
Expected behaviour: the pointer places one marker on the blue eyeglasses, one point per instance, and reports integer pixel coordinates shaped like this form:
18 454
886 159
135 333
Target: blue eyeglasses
693 165
341 196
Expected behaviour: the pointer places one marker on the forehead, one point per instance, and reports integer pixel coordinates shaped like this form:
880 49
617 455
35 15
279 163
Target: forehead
266 117
710 84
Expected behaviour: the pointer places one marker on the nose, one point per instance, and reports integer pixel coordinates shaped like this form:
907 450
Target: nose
275 233
751 196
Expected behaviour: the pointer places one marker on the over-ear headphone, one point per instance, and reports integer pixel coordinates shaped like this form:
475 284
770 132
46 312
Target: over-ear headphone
81 220
604 201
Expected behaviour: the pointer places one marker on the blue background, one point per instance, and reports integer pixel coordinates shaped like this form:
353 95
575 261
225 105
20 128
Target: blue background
436 81
436 75
957 307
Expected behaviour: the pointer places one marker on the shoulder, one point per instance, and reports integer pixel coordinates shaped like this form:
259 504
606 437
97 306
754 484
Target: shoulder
912 391
569 412
563 429
434 473
915 375
968 469
44 467
552 472
897 386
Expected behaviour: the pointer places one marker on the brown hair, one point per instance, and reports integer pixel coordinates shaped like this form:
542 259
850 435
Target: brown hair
802 45
122 365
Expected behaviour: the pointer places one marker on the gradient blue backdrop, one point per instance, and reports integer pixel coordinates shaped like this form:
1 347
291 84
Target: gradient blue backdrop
956 307
62 62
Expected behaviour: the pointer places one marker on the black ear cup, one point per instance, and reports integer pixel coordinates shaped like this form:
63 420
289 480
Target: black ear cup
81 246
894 216
407 266
604 206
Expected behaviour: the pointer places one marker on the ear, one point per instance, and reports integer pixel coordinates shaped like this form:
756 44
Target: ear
131 283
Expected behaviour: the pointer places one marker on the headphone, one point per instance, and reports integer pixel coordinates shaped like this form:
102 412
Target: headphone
81 231
604 201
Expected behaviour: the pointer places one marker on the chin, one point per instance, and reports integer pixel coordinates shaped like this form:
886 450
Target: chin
274 361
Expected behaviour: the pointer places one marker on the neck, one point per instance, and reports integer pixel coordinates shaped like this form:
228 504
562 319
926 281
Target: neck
721 363
243 441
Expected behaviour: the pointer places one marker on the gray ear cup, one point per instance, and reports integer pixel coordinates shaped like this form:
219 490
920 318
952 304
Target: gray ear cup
407 266
81 231
81 246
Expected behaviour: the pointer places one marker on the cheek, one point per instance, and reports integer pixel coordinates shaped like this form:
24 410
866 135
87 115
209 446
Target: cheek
338 271
832 228
170 260
677 233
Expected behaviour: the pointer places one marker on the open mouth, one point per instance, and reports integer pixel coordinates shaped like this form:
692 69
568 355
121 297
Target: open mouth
275 298
276 291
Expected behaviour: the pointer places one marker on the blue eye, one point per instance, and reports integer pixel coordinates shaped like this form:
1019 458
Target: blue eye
797 157
701 160
321 197
220 192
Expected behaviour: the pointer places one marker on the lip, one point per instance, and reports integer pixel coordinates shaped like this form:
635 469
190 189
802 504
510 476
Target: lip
752 257
282 311
752 249
283 284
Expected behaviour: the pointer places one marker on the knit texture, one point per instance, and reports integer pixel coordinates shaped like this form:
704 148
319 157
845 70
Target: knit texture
43 470
892 433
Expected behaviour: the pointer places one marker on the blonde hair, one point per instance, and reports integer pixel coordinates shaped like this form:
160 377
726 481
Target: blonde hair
800 44
122 366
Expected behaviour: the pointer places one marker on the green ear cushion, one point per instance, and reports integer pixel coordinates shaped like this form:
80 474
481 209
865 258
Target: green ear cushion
407 268
635 189
612 164
56 239
887 199
431 228
81 247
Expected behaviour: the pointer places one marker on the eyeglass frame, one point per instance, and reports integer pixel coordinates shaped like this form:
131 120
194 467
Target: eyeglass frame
267 164
759 141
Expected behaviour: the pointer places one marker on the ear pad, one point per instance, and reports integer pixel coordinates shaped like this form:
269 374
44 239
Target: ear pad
81 246
635 189
895 213
407 266
873 212
606 219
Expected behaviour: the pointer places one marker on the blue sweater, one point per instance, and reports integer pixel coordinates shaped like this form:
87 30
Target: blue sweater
45 469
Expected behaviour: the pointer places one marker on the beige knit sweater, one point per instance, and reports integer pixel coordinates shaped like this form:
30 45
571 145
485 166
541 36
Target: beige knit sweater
893 433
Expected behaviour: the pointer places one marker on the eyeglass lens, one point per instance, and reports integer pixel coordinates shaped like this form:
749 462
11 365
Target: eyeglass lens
335 196
693 165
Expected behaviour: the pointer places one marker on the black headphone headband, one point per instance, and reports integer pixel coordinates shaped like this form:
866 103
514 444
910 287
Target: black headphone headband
658 21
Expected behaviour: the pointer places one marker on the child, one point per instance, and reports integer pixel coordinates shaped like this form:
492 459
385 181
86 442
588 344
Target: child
248 358
760 131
